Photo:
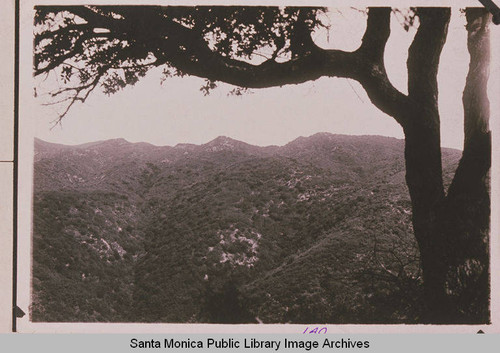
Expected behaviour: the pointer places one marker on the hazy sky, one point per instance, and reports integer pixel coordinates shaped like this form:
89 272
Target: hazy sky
177 112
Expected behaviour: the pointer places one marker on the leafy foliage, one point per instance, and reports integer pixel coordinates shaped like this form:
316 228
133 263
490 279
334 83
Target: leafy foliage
85 243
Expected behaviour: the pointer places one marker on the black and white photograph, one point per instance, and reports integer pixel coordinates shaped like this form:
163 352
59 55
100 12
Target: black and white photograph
258 164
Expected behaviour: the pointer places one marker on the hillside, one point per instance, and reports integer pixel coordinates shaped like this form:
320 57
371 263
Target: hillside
317 230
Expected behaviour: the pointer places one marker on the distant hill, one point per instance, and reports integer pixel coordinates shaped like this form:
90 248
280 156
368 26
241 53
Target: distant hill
318 230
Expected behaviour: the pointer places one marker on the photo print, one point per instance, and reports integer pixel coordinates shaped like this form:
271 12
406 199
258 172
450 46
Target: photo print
249 164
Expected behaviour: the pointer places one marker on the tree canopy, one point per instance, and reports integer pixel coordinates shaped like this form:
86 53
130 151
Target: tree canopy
251 47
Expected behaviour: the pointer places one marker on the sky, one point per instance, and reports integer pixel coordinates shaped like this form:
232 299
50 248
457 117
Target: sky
178 112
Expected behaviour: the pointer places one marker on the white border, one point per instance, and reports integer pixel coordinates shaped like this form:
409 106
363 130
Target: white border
27 112
7 57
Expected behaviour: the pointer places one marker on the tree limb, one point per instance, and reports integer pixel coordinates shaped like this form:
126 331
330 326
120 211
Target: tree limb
365 65
48 34
186 49
469 184
59 60
424 54
377 33
89 87
372 74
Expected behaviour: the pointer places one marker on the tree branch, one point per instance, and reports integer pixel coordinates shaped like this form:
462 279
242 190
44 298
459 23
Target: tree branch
424 54
378 30
366 65
59 60
469 181
86 13
372 74
475 96
187 50
89 87
48 34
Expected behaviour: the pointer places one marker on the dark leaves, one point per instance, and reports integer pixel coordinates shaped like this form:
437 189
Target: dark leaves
406 18
66 74
207 87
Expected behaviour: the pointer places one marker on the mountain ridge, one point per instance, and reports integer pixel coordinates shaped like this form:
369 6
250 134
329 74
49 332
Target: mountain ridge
216 140
224 139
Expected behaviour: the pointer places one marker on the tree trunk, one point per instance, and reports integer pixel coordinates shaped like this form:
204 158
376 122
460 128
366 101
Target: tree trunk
453 231
467 207
424 180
